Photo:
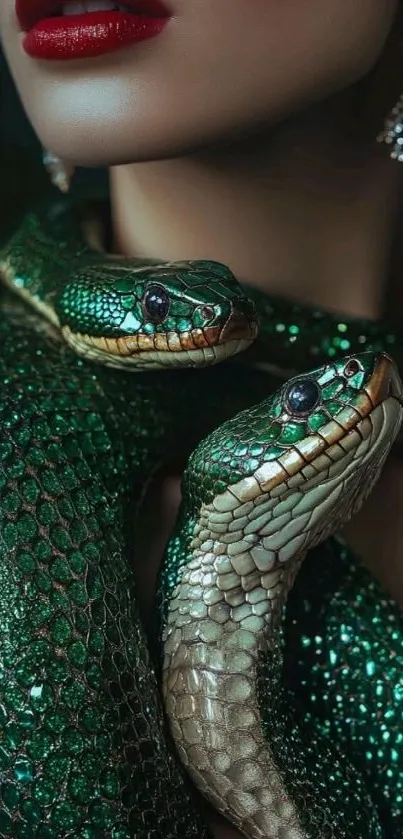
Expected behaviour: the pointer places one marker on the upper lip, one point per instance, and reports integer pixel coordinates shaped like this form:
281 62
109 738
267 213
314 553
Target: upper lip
29 12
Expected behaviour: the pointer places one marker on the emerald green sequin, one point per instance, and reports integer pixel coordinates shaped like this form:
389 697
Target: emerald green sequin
344 661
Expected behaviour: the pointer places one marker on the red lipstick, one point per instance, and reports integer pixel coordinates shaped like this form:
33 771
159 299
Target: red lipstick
54 36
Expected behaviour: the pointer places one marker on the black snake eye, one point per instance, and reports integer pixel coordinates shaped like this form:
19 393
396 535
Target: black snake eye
156 303
302 396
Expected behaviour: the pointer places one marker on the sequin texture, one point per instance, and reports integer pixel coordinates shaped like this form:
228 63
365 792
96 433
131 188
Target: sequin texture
83 748
344 663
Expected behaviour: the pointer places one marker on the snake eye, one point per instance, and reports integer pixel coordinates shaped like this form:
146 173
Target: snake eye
156 303
302 396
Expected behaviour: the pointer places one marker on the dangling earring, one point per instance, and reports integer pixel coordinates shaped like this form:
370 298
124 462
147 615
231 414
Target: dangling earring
392 134
60 171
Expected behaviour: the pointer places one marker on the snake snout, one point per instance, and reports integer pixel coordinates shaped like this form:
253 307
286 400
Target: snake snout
242 322
386 382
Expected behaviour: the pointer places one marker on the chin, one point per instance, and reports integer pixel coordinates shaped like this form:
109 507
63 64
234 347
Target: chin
100 136
107 118
103 132
108 150
106 114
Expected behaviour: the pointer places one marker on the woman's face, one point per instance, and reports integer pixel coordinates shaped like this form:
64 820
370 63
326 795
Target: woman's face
216 68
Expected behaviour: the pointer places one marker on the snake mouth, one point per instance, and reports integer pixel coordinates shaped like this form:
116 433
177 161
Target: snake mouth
199 347
195 348
291 503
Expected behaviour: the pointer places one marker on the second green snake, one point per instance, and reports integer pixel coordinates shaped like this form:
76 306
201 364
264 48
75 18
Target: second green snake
259 493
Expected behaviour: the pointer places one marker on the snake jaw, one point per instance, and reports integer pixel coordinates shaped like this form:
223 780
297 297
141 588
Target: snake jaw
296 503
142 352
192 348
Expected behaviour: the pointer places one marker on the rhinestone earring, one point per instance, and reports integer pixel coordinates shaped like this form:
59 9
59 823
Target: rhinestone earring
392 134
59 171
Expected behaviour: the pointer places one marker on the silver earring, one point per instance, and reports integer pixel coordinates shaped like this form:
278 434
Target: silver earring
392 134
59 171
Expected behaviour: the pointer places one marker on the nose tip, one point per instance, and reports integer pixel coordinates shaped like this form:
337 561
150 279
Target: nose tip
242 321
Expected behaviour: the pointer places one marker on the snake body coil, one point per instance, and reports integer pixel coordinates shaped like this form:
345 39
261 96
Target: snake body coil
344 661
258 493
84 752
83 748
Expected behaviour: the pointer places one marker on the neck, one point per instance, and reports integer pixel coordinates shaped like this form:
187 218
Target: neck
305 213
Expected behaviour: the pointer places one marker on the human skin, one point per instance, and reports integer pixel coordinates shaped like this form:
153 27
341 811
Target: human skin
219 67
222 175
228 138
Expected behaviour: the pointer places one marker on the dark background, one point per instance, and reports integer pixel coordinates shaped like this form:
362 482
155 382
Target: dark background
22 177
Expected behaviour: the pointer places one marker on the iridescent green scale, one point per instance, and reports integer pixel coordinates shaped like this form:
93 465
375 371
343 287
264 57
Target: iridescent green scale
83 748
344 664
272 427
96 293
295 337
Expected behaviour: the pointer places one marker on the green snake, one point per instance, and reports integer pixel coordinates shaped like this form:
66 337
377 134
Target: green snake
290 472
125 312
84 749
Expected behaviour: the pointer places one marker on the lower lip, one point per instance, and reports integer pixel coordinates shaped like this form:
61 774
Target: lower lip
89 35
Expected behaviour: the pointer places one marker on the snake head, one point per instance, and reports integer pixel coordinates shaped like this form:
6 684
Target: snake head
280 477
155 315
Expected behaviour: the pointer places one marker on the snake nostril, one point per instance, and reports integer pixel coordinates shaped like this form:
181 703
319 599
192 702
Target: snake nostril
352 368
208 312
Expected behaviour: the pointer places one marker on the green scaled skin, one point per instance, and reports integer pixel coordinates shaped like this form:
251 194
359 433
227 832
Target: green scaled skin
115 432
54 261
295 337
84 752
258 493
344 664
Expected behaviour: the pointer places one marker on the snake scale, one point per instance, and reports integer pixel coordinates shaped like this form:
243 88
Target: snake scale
84 747
344 657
